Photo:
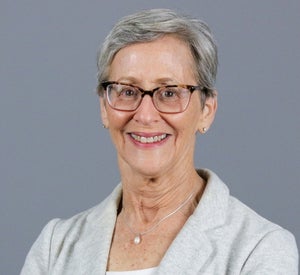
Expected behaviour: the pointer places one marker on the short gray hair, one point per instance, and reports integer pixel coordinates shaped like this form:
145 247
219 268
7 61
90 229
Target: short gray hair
152 24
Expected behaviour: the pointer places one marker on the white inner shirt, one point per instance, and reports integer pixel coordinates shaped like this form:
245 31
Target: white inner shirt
147 271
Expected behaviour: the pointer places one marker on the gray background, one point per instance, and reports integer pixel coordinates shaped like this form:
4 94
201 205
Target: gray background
57 160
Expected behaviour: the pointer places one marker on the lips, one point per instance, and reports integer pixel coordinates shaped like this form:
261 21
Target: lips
148 140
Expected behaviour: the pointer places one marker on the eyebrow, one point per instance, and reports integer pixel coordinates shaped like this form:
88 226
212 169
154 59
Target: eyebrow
129 79
160 81
166 80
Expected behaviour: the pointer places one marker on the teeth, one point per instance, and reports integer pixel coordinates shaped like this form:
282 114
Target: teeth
149 139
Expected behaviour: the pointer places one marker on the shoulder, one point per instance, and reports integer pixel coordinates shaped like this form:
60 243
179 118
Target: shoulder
252 226
59 235
268 248
71 226
251 229
230 212
245 238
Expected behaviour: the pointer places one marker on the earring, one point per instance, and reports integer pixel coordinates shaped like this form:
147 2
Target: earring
104 126
204 129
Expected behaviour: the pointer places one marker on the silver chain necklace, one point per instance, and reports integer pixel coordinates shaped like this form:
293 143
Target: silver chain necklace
138 235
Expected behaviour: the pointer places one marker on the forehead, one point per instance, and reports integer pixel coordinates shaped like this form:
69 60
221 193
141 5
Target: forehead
165 58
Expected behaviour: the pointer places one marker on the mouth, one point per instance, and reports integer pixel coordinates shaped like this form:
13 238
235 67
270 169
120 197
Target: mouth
148 140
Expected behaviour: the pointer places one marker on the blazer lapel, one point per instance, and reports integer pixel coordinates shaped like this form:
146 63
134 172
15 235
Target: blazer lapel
97 238
191 252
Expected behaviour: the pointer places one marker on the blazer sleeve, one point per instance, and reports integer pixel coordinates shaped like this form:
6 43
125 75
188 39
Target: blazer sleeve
38 259
275 254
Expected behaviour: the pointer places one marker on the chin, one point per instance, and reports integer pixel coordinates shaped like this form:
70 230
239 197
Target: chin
148 171
147 163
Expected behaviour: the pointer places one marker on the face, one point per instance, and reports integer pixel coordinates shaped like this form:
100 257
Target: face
147 141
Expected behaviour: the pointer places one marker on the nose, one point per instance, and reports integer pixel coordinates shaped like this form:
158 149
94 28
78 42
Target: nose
146 113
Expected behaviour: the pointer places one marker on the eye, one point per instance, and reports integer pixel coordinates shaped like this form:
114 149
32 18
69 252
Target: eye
128 92
169 93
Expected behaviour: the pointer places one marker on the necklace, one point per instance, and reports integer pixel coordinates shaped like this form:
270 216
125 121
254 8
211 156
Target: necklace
138 235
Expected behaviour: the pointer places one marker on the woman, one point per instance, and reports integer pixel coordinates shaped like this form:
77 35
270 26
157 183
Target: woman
156 85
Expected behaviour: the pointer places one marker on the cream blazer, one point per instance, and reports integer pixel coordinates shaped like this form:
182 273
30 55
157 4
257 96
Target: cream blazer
222 236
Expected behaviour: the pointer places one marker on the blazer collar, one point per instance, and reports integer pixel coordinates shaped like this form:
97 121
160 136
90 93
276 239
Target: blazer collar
192 250
101 223
212 208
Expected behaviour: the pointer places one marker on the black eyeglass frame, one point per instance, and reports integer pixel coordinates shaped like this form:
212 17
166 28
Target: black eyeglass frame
191 88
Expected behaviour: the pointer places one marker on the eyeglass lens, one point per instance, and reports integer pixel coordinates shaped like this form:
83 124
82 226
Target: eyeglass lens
167 99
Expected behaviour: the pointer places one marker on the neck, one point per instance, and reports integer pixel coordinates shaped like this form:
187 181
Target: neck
146 200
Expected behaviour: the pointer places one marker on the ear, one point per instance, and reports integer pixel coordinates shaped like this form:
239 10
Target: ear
208 113
103 112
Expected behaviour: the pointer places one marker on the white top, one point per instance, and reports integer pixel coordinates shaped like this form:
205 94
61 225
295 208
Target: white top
148 271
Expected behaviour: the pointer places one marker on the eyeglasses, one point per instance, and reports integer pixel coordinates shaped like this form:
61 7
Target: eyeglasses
168 99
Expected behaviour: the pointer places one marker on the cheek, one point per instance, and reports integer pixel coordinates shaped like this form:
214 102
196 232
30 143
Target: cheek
186 123
184 131
117 120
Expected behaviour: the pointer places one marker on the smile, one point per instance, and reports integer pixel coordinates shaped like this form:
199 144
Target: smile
153 139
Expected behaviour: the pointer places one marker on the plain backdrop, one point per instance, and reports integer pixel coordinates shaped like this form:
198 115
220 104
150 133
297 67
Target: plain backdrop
56 159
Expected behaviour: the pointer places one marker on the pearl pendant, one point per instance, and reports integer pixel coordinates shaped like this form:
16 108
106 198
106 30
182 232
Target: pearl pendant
137 239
